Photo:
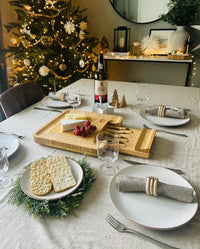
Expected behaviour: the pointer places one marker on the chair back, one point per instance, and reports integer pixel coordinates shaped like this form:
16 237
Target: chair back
20 97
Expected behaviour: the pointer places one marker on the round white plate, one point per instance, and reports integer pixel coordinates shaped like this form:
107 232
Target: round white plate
77 172
160 213
47 101
10 142
164 121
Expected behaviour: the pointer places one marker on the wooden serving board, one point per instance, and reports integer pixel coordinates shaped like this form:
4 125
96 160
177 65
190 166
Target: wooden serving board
132 141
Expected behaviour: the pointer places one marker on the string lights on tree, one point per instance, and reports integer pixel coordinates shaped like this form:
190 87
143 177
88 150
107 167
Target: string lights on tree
50 43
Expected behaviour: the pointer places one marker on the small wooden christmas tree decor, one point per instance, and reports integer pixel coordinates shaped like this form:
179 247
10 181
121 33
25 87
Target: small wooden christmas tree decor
115 98
123 102
116 104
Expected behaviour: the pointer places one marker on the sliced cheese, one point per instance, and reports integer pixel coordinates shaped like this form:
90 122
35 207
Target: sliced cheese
76 116
69 124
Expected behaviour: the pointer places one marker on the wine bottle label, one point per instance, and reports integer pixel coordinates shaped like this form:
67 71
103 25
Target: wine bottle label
101 90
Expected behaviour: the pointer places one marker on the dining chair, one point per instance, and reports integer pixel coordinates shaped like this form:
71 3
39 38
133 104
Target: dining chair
20 97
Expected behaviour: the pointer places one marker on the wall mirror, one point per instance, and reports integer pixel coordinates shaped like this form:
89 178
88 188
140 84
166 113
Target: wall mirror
140 11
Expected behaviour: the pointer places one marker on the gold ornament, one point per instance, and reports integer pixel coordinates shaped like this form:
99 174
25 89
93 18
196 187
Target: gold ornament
45 30
82 35
27 62
27 7
83 25
46 41
52 24
62 67
26 44
93 68
49 4
13 41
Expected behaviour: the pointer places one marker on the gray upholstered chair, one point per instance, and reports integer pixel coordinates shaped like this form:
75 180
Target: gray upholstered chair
17 98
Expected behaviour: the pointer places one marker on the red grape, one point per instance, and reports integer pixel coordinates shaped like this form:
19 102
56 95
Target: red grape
87 123
85 130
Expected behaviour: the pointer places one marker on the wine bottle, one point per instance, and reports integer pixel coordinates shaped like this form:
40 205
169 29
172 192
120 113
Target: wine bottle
101 83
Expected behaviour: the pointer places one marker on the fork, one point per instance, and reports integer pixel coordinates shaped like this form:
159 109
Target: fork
123 229
165 131
19 136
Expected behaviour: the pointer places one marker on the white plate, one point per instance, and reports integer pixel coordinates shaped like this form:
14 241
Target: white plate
164 121
10 142
77 172
47 101
160 213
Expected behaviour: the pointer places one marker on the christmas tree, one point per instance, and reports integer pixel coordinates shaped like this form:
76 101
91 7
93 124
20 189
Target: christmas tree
50 43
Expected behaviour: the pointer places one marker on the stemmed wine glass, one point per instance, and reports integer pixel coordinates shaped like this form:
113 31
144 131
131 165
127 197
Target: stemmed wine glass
142 93
108 151
5 181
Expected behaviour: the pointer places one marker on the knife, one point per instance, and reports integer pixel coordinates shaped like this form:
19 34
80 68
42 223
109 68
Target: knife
46 109
178 171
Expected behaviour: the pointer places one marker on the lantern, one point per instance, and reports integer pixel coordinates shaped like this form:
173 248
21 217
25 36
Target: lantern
121 39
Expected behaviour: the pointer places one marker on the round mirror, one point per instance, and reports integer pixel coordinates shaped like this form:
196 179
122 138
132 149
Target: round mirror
140 11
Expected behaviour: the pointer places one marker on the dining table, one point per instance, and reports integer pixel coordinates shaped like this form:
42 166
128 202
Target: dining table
87 228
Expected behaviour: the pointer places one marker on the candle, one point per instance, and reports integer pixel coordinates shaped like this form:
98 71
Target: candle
121 42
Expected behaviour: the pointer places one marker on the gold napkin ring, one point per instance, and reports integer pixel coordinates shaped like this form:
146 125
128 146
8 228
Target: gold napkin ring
155 186
161 110
62 96
151 185
148 185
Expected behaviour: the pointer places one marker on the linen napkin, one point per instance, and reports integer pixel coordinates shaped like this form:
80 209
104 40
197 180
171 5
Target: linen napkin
126 183
172 112
64 96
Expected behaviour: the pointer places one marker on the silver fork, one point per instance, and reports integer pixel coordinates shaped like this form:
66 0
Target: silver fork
19 136
169 132
123 229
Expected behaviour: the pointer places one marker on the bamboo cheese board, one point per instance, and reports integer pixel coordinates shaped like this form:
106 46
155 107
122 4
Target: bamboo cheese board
132 141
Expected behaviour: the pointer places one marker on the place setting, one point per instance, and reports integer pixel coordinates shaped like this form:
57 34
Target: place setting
162 115
10 142
62 100
153 197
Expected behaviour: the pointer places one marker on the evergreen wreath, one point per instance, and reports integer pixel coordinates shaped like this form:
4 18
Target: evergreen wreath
58 208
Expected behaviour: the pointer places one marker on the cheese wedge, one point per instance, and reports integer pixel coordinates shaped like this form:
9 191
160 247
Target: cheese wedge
69 124
76 116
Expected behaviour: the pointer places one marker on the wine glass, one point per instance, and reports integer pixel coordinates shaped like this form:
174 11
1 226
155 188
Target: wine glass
5 181
108 151
142 93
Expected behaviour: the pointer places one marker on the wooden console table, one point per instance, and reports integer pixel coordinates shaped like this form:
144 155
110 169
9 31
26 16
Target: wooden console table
157 69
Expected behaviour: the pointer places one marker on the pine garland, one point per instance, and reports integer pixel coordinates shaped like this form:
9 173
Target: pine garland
57 208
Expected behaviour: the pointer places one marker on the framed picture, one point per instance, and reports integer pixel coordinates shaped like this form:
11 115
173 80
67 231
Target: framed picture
163 36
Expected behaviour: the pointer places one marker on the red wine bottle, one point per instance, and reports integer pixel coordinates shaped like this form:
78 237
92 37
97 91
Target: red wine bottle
101 83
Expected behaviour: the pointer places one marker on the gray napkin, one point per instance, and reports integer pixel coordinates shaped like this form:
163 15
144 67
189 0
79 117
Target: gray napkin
70 98
126 183
169 111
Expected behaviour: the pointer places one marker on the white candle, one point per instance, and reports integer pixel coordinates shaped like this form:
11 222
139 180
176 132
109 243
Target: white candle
121 42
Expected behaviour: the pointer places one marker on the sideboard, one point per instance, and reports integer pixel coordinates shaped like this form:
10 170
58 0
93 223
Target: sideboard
151 69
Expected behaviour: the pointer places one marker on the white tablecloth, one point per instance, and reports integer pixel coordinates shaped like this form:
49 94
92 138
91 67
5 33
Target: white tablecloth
89 230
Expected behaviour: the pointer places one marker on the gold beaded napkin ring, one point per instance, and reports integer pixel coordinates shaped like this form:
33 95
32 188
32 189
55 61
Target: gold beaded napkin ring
62 96
151 185
161 110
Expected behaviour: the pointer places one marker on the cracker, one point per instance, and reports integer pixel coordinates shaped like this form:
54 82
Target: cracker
61 174
40 181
